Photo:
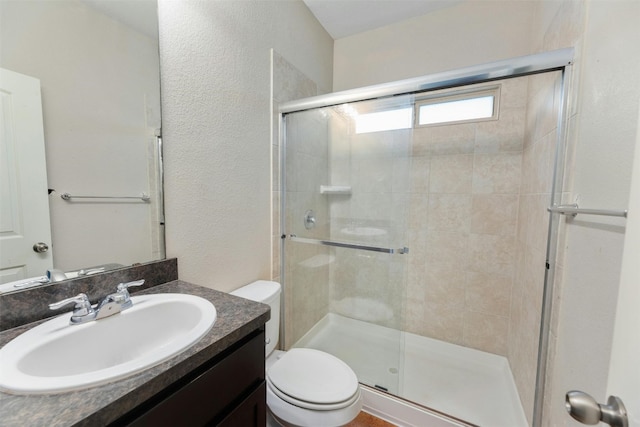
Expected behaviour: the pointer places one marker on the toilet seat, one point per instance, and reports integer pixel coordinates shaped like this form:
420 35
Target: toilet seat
313 379
310 405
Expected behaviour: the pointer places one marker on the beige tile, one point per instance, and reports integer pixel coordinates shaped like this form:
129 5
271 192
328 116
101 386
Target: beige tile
414 316
275 213
442 323
275 257
452 134
518 278
420 169
451 174
494 214
444 140
504 134
544 171
402 141
402 178
485 332
275 167
533 220
445 287
537 166
375 144
526 217
373 206
417 242
420 146
449 212
288 82
496 173
416 284
418 211
372 175
539 232
492 254
448 249
514 92
488 293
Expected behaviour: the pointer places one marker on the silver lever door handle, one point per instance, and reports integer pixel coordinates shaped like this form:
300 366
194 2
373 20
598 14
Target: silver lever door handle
585 409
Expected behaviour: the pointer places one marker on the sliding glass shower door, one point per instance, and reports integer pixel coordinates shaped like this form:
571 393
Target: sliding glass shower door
418 246
346 193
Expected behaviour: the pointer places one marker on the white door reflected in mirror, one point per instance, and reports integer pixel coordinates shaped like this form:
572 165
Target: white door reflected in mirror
24 211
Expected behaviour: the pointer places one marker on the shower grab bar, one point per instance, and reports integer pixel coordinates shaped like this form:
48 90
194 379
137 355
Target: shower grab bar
144 197
401 251
574 210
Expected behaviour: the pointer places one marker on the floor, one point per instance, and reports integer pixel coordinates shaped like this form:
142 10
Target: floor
362 420
471 385
367 420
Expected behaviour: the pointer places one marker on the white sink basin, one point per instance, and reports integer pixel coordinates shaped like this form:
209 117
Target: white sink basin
55 356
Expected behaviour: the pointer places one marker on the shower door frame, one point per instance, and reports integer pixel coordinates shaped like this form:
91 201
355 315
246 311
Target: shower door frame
557 60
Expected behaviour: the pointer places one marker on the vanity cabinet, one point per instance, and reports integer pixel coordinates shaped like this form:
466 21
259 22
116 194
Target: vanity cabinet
227 390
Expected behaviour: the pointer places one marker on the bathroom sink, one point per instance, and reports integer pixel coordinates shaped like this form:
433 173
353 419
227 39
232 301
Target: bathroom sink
56 357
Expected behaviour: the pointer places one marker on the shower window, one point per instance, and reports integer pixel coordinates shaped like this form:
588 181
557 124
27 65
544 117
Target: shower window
399 118
476 106
449 108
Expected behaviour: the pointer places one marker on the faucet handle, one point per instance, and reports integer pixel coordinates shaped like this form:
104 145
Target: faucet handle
125 286
81 309
122 296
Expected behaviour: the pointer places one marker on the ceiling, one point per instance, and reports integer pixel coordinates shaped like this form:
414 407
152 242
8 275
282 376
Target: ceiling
342 18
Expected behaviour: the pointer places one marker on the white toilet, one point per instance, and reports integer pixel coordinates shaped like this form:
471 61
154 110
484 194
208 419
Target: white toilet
305 387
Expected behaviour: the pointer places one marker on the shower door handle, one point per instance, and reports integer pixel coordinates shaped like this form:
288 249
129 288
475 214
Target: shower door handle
585 409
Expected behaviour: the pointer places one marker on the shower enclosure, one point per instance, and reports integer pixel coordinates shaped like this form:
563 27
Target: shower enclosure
416 242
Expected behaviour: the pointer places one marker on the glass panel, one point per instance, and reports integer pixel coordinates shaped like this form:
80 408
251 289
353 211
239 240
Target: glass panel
347 301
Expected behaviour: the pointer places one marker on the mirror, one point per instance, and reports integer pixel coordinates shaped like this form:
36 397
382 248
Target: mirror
97 62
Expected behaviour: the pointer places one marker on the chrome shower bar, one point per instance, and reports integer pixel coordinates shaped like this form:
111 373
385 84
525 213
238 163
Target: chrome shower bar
402 251
574 210
520 66
144 197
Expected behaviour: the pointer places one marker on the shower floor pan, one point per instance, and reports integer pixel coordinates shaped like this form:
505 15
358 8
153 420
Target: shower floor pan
468 384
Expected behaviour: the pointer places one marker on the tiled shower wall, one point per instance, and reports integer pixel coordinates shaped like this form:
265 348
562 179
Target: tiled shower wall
465 186
531 240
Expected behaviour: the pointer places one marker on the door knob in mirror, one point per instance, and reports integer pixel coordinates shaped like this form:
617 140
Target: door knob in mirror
40 247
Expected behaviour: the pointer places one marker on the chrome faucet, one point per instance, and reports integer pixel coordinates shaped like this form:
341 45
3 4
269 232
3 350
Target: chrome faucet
112 304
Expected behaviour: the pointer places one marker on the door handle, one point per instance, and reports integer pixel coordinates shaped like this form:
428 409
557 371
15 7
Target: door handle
40 247
585 409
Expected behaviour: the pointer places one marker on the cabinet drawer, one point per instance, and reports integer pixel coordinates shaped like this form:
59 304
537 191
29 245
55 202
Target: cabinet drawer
252 412
214 393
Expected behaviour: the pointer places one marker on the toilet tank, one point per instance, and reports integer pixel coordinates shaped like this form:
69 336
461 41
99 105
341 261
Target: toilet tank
265 292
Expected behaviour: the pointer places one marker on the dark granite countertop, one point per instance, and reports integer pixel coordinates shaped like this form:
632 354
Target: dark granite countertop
103 404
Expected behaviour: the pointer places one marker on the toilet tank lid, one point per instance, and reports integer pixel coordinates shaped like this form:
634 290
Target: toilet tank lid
260 291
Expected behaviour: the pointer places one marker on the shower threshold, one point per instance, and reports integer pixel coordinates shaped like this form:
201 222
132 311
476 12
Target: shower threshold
467 384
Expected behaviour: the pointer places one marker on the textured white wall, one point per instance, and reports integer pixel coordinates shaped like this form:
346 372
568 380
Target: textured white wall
468 33
215 66
602 133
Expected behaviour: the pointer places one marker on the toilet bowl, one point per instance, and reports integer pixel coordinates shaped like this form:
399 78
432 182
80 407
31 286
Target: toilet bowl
305 387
